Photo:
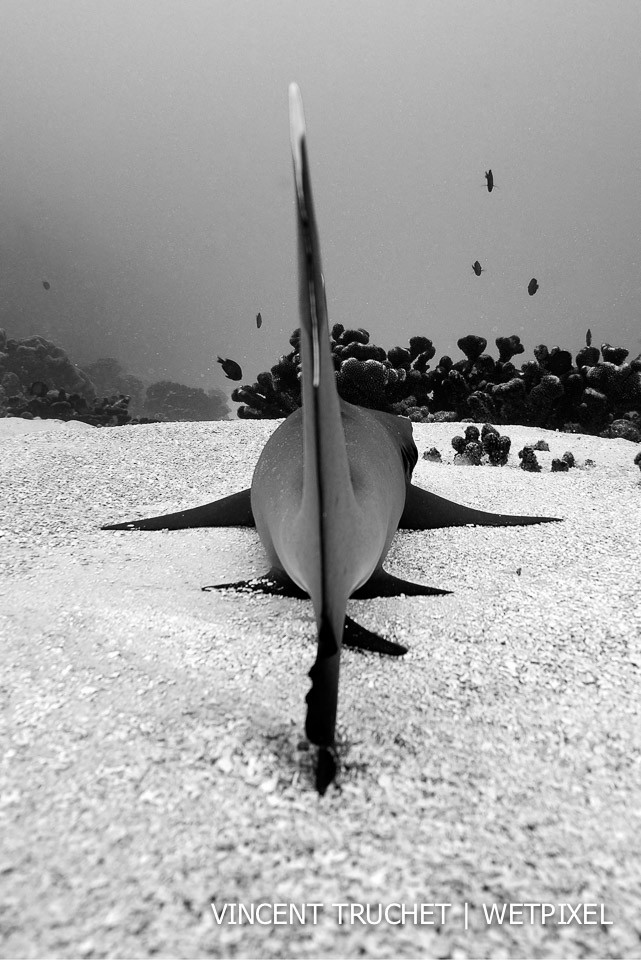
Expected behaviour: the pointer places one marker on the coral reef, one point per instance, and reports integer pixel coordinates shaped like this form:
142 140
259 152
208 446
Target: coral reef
528 460
34 358
109 379
468 448
471 448
167 400
52 404
599 392
433 455
164 400
37 379
495 445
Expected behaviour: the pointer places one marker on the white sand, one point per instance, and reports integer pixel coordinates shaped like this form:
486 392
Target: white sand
151 730
16 426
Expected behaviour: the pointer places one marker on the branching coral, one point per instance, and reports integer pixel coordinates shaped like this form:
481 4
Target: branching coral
433 455
509 347
528 460
364 382
472 346
566 463
473 447
589 395
495 445
598 393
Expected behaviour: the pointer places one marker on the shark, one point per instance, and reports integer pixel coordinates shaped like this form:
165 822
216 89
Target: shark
331 487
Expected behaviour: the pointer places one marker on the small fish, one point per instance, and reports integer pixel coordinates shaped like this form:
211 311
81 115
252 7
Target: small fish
38 389
588 338
231 368
477 268
533 286
489 176
46 285
259 321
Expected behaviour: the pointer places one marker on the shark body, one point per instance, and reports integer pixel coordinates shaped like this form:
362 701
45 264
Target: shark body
330 489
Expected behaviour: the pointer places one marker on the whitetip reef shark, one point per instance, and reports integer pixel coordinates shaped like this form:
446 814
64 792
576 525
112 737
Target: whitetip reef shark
330 489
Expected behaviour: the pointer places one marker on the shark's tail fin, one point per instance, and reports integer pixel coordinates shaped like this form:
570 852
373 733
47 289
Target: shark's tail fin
328 497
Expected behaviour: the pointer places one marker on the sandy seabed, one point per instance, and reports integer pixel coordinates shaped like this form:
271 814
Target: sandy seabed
152 752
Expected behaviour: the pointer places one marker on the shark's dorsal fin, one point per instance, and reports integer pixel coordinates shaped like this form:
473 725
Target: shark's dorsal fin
328 496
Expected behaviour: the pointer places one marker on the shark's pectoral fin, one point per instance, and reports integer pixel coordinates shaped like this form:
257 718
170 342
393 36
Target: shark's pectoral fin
427 511
232 511
354 635
275 582
384 584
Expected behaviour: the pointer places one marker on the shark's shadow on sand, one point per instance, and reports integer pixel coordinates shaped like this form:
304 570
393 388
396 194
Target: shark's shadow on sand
330 489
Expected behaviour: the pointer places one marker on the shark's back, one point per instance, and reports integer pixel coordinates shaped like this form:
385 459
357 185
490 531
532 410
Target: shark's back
381 454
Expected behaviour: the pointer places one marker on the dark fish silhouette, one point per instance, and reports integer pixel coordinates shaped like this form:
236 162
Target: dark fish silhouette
330 489
489 176
38 388
477 268
588 338
533 286
46 285
232 370
259 321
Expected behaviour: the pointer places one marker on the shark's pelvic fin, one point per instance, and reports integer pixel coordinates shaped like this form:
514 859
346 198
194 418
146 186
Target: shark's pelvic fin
384 584
427 511
380 584
275 582
232 511
357 636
